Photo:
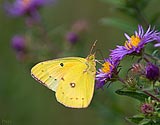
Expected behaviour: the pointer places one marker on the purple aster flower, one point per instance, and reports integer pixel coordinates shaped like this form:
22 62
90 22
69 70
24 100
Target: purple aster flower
135 43
71 37
18 43
23 7
152 72
106 72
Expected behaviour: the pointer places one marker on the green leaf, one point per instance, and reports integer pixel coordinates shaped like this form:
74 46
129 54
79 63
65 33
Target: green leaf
123 25
145 122
137 95
136 120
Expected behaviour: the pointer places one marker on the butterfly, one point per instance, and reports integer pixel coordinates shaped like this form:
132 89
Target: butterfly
72 79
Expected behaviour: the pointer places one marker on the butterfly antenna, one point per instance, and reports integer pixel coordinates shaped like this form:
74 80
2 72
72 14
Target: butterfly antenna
93 46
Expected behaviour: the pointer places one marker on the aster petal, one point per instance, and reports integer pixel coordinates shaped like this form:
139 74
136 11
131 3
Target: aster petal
118 53
157 45
100 84
148 31
149 36
136 33
127 36
140 30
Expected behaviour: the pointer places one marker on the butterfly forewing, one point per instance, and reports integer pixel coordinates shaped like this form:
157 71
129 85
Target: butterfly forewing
51 72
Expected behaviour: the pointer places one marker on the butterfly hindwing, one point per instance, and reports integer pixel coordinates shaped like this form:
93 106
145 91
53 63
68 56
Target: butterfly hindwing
76 88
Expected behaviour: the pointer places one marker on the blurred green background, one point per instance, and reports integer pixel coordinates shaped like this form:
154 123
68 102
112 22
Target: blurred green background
25 102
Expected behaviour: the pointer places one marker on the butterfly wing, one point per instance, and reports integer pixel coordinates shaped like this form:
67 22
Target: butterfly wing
71 78
51 72
76 88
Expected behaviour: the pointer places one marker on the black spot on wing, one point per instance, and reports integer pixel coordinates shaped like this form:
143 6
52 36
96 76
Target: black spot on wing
72 84
62 78
61 64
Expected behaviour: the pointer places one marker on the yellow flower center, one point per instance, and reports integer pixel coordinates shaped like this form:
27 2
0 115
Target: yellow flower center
134 41
107 67
25 2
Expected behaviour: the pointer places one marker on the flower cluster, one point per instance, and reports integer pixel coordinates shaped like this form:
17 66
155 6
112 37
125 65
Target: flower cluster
27 8
134 45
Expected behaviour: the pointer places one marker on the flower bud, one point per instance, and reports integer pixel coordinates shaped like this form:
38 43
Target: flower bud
147 108
152 72
72 37
18 43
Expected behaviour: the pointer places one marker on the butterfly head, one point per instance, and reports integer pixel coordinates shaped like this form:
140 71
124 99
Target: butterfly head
91 63
91 57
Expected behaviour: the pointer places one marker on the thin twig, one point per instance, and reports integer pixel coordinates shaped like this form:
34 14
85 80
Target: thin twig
121 80
152 57
149 94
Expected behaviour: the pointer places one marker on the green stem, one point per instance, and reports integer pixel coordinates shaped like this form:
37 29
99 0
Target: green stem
152 57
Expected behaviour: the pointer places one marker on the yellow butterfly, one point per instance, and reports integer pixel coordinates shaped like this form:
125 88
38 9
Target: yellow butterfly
72 78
